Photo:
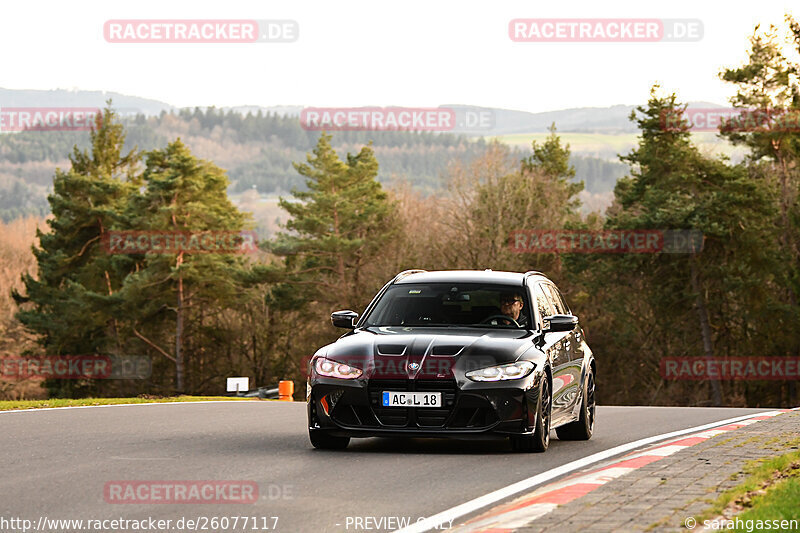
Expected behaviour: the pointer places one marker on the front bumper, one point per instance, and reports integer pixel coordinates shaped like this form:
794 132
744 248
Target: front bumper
351 408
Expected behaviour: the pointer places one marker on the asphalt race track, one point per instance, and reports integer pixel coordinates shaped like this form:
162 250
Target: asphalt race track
56 463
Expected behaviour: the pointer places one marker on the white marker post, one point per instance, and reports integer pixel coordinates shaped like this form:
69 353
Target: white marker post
238 385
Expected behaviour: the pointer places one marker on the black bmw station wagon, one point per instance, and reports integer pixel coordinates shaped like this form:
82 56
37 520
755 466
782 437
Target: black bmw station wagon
460 354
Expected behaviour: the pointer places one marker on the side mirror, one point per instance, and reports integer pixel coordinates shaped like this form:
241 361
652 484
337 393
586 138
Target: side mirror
559 323
344 319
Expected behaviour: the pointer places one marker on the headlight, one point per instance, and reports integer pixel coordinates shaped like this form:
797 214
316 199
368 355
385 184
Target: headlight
332 369
516 370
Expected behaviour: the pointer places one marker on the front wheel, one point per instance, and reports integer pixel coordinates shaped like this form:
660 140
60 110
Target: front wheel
540 440
582 428
323 440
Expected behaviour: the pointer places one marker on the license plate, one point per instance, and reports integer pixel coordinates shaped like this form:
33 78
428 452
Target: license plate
412 399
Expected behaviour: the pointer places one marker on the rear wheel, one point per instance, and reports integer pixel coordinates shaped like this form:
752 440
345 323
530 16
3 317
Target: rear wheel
540 440
323 440
582 428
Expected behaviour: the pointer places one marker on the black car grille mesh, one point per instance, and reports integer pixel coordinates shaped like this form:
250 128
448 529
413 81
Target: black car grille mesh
424 417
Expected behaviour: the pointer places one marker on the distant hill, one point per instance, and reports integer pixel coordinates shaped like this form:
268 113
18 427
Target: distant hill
606 120
258 144
283 110
75 98
610 120
257 151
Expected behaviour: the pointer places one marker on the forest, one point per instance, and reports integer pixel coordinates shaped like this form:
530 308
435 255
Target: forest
203 317
256 150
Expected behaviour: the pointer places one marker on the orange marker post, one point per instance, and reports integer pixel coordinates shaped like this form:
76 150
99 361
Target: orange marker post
285 390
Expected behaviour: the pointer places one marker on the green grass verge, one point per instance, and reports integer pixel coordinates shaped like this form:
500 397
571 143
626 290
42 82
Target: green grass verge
59 402
781 502
771 491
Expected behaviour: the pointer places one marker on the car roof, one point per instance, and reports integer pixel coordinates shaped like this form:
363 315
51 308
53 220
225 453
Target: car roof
465 276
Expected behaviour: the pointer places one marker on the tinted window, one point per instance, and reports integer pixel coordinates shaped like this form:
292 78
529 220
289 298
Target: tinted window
562 300
555 298
542 303
443 304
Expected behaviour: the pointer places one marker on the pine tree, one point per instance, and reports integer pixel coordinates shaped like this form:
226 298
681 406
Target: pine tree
74 271
673 186
175 295
337 225
768 94
551 160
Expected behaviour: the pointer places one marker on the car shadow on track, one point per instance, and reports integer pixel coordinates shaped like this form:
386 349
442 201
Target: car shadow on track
428 446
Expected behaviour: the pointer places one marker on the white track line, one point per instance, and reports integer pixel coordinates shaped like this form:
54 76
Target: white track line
473 505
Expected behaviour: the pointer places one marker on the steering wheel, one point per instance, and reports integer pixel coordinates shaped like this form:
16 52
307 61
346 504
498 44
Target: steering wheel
504 317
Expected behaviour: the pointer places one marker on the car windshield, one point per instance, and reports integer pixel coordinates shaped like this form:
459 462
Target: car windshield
451 304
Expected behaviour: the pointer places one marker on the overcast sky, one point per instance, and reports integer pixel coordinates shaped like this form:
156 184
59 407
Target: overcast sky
410 53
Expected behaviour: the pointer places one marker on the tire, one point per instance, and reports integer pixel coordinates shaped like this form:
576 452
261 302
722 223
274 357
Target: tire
582 428
540 440
323 440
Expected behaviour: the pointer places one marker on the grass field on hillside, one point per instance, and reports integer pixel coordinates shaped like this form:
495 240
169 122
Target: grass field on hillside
607 145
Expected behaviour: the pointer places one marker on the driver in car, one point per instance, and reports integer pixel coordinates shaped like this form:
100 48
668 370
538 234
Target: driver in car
511 305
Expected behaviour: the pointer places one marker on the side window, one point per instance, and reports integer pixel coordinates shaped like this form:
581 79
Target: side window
543 308
558 301
562 300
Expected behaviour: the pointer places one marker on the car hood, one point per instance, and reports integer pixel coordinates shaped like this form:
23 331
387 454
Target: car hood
428 353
